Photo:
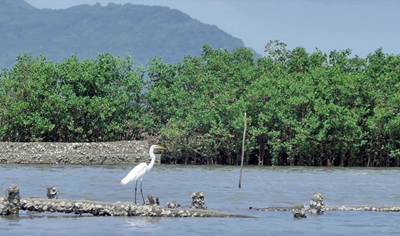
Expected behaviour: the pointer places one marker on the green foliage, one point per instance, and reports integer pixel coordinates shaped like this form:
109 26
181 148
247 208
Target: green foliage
89 100
303 108
198 103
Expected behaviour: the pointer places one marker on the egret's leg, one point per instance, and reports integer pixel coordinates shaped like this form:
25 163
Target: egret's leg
141 181
135 190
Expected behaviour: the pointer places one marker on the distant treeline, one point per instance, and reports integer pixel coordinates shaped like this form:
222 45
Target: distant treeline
311 109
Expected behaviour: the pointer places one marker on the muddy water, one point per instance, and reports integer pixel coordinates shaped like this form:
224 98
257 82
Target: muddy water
261 187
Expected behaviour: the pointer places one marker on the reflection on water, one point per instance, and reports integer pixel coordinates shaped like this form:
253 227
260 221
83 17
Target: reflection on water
143 223
261 187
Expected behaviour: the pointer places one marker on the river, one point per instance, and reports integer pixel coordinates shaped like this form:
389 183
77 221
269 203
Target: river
261 187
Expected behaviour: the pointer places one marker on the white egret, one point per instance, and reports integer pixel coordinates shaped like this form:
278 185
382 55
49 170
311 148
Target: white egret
140 170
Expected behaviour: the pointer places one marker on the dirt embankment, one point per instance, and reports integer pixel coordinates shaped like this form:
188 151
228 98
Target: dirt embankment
102 153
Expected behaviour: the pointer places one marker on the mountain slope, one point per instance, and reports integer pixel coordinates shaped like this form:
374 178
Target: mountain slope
141 31
15 3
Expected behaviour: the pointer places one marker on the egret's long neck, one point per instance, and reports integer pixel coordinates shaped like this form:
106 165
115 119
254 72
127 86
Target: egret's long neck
153 158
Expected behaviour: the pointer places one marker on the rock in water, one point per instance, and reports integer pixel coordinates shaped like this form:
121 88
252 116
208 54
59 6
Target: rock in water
152 201
299 212
52 192
11 203
173 204
317 205
198 200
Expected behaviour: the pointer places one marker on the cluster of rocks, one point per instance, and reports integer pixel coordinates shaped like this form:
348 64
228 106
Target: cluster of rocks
317 205
198 201
152 201
106 209
173 204
96 153
299 212
12 203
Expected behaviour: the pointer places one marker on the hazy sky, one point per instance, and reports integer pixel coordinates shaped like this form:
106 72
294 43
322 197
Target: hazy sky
361 25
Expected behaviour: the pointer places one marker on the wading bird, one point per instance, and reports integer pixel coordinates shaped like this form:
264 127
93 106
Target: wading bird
138 172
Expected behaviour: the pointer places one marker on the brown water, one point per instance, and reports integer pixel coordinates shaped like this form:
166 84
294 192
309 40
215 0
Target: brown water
261 187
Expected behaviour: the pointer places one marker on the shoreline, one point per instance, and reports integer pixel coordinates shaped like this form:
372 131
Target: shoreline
96 153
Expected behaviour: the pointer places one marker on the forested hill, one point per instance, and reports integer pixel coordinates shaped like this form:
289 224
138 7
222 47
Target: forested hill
15 3
140 31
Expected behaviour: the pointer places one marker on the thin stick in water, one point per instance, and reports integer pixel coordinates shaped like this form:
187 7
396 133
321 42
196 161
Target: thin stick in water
244 139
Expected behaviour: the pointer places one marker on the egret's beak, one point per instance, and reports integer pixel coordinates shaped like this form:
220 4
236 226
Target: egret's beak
161 147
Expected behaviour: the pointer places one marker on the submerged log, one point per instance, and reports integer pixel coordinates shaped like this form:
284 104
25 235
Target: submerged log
364 208
317 206
334 208
12 204
274 208
116 209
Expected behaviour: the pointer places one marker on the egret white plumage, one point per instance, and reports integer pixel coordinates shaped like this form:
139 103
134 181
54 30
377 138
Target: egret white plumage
140 170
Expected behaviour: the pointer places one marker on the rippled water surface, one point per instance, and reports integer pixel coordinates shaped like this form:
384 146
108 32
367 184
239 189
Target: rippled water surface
261 187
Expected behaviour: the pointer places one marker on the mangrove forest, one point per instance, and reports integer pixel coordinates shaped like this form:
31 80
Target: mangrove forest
303 108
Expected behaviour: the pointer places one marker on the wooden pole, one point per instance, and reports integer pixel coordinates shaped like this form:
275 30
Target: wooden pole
243 144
